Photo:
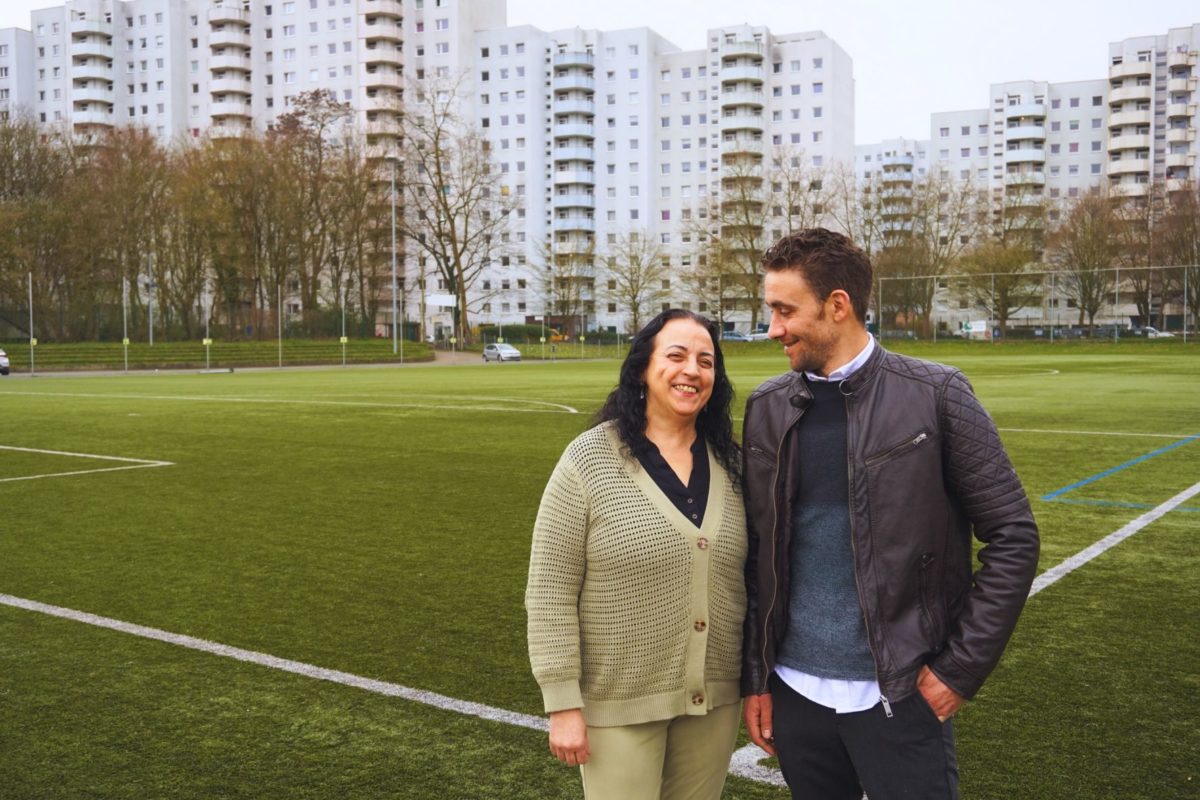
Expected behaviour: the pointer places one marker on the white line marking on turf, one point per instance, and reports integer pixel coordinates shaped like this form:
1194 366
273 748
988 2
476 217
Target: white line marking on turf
745 764
1097 433
131 463
1055 573
292 402
287 665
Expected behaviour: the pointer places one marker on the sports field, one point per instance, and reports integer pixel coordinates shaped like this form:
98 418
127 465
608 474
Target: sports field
294 584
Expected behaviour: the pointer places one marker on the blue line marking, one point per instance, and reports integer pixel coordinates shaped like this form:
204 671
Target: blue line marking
1117 504
1119 467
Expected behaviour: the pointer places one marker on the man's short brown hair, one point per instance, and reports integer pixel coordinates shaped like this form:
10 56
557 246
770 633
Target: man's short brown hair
828 261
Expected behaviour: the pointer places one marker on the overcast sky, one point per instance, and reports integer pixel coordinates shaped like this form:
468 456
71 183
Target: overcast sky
910 58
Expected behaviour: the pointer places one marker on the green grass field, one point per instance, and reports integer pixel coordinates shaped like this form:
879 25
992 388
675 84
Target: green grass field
376 521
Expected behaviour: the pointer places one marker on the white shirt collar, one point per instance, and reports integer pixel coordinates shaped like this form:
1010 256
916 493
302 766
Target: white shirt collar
846 370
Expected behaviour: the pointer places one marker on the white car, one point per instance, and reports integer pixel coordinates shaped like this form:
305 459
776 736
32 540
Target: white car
501 352
1155 333
5 367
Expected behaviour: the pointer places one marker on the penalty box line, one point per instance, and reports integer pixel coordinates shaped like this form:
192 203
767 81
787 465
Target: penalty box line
745 763
129 463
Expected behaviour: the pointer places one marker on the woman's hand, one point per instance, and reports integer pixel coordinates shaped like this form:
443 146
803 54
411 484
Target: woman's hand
568 737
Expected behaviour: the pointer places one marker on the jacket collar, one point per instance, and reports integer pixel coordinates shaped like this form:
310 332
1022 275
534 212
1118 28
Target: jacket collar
800 395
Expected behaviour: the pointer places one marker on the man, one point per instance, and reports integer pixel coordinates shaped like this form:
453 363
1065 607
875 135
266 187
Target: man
866 473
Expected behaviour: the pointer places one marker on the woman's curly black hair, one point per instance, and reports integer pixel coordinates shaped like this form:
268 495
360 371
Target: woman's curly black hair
626 405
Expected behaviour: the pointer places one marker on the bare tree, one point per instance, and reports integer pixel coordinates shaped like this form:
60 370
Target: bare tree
1001 278
566 273
635 273
1084 248
1178 235
456 207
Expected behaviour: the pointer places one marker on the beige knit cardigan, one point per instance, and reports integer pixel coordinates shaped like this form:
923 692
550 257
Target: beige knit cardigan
635 614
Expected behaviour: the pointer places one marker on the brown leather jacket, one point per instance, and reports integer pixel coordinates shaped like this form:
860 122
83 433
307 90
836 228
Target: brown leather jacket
925 467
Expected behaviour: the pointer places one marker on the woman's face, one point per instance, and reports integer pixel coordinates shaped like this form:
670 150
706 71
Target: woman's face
679 379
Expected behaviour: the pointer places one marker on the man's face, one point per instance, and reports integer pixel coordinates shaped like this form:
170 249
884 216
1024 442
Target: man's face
800 321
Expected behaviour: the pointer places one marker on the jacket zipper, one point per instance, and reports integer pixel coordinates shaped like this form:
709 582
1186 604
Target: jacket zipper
883 699
774 537
891 451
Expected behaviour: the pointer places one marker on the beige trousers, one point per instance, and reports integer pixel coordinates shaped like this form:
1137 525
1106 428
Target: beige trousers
685 758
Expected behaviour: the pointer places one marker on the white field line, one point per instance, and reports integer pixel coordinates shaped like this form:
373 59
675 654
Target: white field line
1055 573
1098 433
130 463
555 408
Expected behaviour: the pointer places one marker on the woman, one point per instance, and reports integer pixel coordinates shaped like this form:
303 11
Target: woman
636 593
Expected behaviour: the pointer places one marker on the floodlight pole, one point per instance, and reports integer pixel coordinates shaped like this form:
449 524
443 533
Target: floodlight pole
125 320
1117 305
279 320
150 293
32 365
345 292
395 315
1185 303
207 314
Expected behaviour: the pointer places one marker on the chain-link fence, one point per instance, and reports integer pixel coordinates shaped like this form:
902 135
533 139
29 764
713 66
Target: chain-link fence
1059 305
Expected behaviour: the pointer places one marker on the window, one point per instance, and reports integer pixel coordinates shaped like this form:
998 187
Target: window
818 63
817 111
965 130
442 24
943 132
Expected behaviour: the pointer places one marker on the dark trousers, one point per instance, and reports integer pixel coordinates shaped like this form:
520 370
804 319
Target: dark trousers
829 756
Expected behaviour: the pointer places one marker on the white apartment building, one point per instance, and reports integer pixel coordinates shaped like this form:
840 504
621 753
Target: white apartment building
603 135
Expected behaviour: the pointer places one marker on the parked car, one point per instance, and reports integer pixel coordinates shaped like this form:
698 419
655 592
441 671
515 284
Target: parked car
759 336
501 352
1155 333
5 367
734 336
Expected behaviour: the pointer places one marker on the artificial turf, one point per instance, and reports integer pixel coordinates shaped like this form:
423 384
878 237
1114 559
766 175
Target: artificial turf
376 521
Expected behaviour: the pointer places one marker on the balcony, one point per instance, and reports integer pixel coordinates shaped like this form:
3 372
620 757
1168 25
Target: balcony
583 130
88 117
744 98
229 13
231 85
742 120
229 36
575 105
898 160
1131 69
1178 110
574 154
1175 135
1027 178
894 195
1118 96
387 8
230 108
1176 160
234 60
1178 185
383 127
1129 141
574 80
1181 85
574 59
574 200
742 48
1185 58
382 54
1128 166
100 70
896 177
1024 199
1024 155
1025 110
389 103
89 94
742 145
382 28
88 25
1131 189
383 79
1019 132
575 224
228 130
101 48
743 73
569 176
1129 118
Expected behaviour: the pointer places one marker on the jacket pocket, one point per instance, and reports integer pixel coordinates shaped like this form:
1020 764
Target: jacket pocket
932 616
760 453
898 449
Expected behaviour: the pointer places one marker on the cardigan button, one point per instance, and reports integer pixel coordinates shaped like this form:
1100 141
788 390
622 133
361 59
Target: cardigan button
700 626
702 543
697 699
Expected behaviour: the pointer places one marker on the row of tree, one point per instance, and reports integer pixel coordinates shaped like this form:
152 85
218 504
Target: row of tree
303 214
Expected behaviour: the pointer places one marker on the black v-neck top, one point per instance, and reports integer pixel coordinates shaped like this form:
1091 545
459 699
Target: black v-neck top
692 499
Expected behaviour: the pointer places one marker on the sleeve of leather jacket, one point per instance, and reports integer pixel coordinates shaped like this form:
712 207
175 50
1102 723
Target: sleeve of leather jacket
752 667
978 471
